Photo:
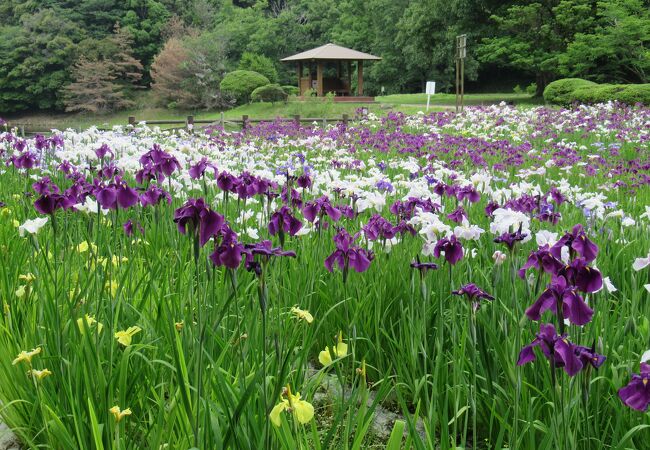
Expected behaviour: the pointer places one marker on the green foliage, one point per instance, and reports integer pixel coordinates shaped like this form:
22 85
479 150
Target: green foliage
617 49
575 90
291 90
560 92
34 61
269 93
241 84
532 40
260 64
625 93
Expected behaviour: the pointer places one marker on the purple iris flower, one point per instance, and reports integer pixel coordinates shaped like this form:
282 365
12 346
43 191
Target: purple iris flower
557 196
423 266
319 208
65 167
229 252
128 228
560 294
163 163
577 241
264 251
473 294
490 208
468 192
378 227
44 186
636 394
458 215
26 160
201 220
588 356
348 255
585 278
282 221
384 185
557 349
542 259
104 150
406 210
198 170
227 182
510 239
49 203
304 181
451 247
154 195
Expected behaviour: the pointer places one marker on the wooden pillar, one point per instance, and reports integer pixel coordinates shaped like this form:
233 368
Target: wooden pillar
319 79
360 78
299 77
350 77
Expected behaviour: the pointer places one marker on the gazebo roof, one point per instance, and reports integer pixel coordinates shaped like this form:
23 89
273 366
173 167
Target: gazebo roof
332 52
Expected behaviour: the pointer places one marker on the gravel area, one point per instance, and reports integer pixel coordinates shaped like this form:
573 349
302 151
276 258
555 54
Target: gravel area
7 439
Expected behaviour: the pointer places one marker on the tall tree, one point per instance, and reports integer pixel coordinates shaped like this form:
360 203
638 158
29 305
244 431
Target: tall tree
94 89
617 48
532 36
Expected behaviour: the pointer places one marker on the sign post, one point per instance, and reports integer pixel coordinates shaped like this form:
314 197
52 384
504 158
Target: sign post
461 54
431 90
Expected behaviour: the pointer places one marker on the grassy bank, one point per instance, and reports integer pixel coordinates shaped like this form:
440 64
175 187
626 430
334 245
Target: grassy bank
450 99
406 103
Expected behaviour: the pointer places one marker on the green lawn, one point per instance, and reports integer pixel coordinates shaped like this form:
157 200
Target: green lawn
406 103
450 99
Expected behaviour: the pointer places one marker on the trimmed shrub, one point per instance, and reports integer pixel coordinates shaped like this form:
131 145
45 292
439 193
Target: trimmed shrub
291 90
588 92
269 93
260 64
240 84
560 92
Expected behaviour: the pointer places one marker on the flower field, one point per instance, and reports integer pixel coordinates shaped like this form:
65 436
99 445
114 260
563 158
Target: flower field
482 280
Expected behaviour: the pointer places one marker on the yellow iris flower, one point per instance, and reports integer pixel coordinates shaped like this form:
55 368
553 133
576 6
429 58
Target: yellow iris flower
40 374
26 356
302 410
27 278
119 414
90 321
125 337
302 314
341 350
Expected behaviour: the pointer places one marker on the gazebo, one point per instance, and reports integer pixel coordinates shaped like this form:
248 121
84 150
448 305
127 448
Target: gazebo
322 69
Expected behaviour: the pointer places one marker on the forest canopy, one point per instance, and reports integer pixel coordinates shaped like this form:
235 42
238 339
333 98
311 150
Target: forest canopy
48 48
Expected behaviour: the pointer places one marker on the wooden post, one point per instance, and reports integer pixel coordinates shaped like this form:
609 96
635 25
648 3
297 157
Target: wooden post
132 120
324 123
296 119
462 84
350 78
244 122
345 119
299 77
189 123
360 78
319 79
223 122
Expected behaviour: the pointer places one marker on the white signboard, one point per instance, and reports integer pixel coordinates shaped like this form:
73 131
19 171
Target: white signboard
431 90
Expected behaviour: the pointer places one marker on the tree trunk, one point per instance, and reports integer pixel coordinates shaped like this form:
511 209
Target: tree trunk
541 79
